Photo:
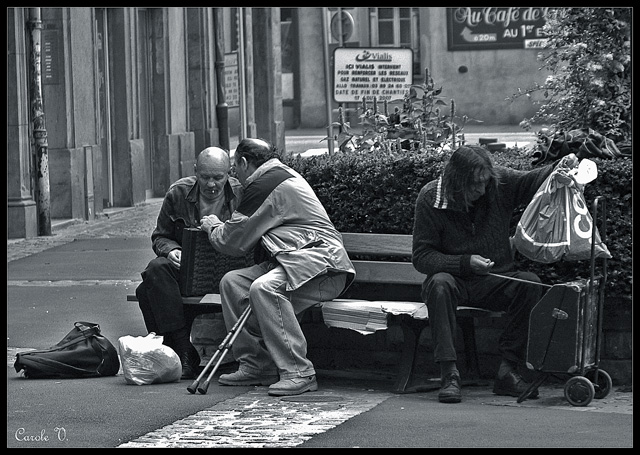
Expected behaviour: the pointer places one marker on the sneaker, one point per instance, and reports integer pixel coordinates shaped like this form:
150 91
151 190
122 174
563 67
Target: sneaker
242 378
450 389
513 385
294 386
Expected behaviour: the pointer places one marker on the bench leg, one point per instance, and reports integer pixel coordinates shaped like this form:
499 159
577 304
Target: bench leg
411 329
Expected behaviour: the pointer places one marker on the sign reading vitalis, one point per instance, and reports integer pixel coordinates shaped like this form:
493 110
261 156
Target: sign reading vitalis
496 28
364 73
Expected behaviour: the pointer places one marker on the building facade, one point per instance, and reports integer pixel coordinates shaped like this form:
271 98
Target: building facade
479 56
131 95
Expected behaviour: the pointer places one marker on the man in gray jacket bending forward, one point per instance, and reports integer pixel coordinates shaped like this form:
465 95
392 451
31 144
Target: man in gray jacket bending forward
306 263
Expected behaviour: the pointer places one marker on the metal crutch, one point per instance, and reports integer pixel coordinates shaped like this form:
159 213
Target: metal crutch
222 348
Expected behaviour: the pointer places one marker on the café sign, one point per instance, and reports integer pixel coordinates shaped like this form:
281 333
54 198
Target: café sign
496 28
365 73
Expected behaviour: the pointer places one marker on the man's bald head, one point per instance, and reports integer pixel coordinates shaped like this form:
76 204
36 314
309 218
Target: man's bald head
215 156
212 170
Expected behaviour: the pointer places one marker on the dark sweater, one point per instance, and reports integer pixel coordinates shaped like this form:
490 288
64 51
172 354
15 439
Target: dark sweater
445 236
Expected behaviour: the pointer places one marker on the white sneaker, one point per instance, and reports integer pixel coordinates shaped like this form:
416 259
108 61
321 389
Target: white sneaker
242 378
294 386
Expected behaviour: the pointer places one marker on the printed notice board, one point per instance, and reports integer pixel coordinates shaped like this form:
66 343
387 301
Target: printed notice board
231 85
496 28
384 73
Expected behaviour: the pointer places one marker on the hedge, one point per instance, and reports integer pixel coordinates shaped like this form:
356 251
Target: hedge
376 192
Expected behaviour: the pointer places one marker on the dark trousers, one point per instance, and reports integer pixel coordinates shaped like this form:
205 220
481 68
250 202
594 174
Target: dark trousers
159 297
443 292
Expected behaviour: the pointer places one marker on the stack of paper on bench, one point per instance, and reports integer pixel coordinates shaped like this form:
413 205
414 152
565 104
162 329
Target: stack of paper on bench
367 317
359 315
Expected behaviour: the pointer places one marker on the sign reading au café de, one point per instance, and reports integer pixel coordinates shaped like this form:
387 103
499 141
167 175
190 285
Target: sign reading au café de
496 28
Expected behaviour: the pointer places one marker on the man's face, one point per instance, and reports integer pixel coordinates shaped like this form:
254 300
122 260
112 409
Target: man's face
212 176
240 166
479 185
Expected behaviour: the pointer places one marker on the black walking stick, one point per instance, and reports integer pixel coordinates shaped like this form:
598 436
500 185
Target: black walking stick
223 348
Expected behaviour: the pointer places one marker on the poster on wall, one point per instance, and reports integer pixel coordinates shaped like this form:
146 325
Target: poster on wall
496 28
364 73
231 77
51 56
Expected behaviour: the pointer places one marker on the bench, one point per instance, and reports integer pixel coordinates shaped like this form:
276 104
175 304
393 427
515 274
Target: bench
380 259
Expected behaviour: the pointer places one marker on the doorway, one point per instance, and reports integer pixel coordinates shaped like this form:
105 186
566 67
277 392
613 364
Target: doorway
144 81
104 107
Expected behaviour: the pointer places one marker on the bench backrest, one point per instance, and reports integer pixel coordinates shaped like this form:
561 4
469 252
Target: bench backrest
381 245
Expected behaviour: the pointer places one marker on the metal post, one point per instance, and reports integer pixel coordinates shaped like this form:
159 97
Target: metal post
222 108
327 76
340 35
39 129
241 75
252 128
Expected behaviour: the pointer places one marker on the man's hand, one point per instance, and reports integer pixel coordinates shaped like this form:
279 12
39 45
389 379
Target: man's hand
480 265
174 256
209 223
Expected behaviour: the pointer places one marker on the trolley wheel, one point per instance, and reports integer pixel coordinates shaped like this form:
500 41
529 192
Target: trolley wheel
579 391
604 384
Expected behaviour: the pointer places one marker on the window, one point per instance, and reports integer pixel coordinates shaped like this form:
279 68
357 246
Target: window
234 41
396 27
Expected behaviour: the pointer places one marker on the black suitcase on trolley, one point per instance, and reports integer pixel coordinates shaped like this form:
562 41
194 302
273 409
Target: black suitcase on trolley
563 329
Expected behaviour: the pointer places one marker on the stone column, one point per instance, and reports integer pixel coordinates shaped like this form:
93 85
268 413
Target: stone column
248 64
267 75
21 207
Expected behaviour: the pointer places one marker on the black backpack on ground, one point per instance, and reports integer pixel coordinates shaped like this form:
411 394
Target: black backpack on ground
83 353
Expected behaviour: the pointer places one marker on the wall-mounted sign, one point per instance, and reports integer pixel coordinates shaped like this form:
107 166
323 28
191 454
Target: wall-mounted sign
51 59
386 73
231 85
496 28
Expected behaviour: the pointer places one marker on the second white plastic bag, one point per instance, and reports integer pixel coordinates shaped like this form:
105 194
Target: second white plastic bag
145 360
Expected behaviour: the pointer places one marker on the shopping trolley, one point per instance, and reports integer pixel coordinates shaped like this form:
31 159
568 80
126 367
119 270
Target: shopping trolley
565 329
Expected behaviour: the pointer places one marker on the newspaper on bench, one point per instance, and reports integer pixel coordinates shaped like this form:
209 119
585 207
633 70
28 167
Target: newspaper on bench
367 317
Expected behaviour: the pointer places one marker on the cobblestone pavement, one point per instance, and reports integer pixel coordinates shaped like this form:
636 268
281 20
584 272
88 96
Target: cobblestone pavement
257 420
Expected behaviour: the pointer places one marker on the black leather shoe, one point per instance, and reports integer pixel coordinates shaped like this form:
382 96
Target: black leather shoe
513 385
450 389
190 360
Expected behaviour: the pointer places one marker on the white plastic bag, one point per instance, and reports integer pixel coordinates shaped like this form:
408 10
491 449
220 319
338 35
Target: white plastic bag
557 225
145 360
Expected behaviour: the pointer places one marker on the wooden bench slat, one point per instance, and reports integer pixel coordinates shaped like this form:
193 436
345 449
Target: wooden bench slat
474 312
209 299
378 244
387 272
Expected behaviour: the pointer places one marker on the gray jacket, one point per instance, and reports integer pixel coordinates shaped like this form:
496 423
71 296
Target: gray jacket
281 210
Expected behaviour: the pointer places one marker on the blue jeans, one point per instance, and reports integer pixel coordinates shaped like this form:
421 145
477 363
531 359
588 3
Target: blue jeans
272 341
443 293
